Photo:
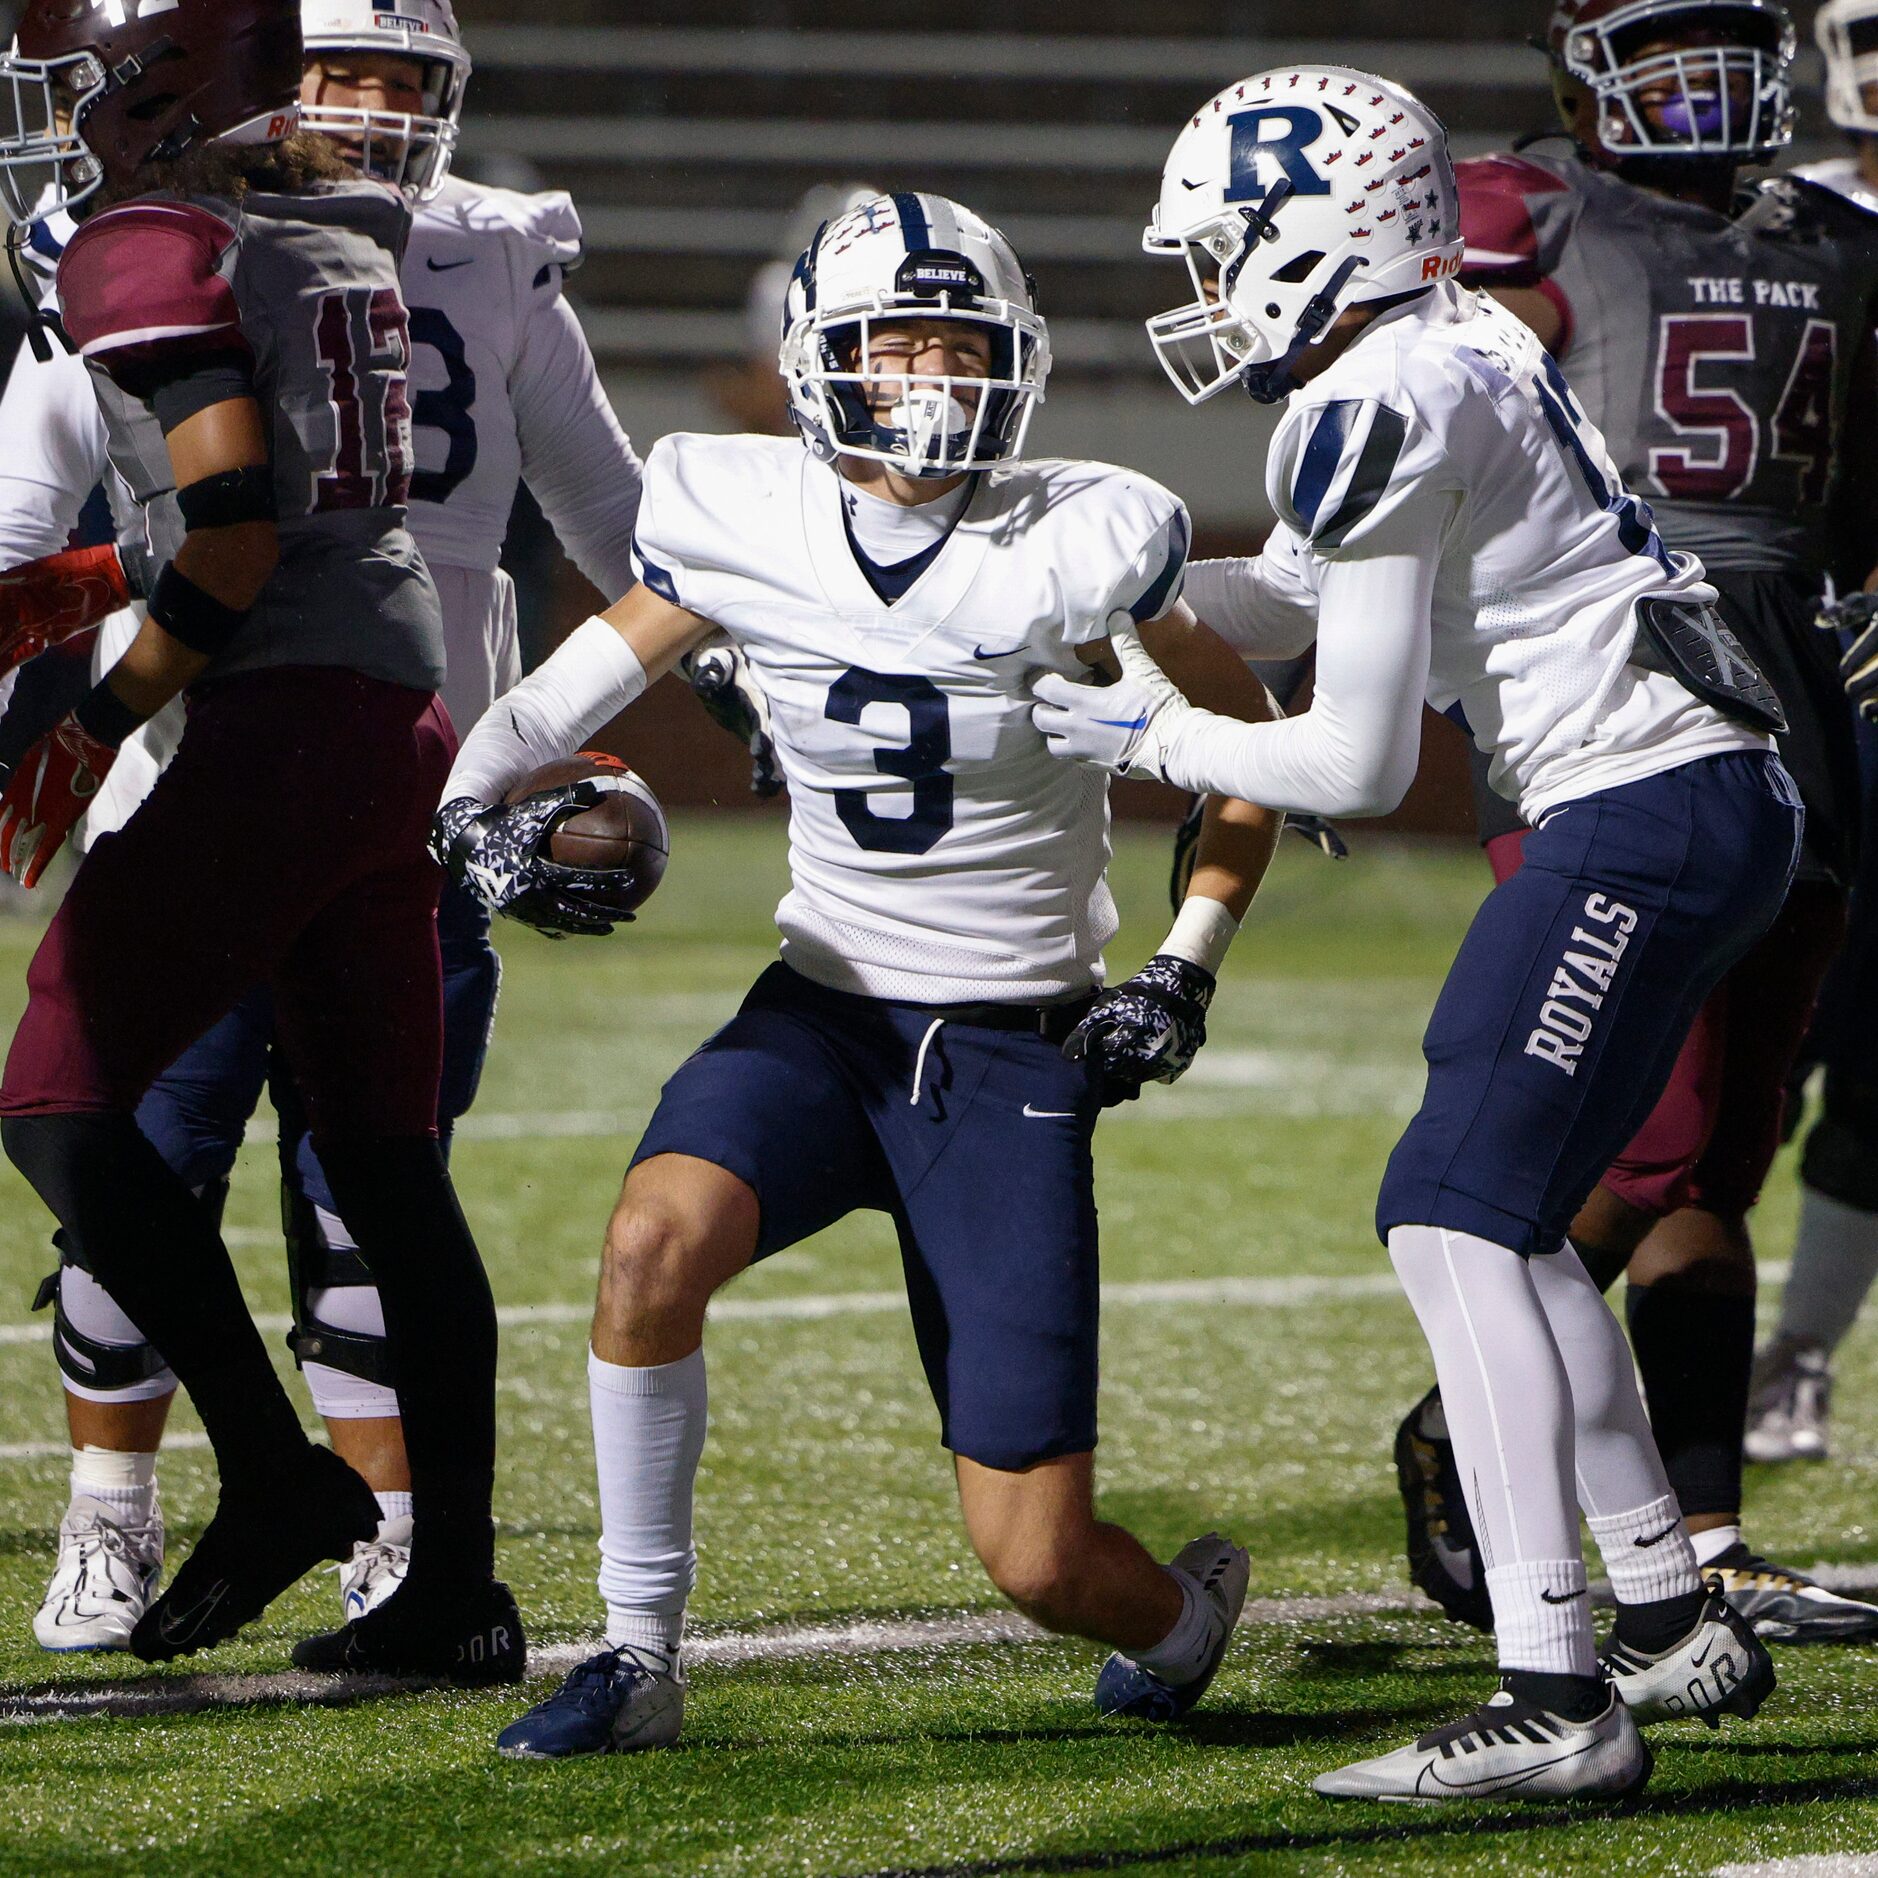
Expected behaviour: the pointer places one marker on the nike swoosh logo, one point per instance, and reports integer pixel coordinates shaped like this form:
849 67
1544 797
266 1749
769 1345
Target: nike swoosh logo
1187 185
1657 1538
175 1626
1009 652
1502 1783
1570 1597
1125 723
447 267
1049 1115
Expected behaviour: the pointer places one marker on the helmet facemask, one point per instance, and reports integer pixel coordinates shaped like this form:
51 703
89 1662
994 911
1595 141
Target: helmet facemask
1847 31
412 151
1727 102
1255 307
941 424
45 166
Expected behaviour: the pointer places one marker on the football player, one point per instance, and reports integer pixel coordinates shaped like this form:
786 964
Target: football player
932 1044
233 291
1721 342
504 387
1835 1255
1451 527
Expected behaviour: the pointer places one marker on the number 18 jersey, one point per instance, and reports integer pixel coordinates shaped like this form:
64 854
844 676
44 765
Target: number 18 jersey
938 852
1715 351
294 299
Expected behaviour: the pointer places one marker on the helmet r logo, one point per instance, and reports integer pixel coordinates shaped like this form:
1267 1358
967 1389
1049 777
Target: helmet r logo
1279 134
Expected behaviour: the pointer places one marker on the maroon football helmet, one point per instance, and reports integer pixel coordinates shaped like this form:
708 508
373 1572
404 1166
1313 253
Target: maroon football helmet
94 89
1687 80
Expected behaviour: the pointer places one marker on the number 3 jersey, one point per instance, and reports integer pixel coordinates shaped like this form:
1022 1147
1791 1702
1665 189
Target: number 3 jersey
938 853
178 303
1715 351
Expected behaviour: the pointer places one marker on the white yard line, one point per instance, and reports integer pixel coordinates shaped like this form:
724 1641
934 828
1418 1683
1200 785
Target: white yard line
160 1695
1816 1865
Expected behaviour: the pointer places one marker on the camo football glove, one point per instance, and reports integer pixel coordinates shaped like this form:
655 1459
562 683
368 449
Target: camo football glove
721 677
1147 1029
1855 618
51 765
45 602
500 852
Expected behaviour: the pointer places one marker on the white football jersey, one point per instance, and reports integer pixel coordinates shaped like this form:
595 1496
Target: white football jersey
1447 435
938 853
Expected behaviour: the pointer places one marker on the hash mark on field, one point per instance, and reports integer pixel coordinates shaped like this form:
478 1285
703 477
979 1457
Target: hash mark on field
1822 1865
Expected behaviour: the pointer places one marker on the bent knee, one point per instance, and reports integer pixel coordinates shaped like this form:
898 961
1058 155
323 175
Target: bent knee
676 1236
1045 1582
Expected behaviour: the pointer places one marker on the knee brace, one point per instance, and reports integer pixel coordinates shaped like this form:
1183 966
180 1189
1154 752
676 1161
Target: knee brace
1840 1159
316 1265
101 1354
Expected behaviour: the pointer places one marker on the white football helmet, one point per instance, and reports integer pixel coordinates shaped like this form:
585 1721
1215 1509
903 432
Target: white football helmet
411 152
900 257
1847 31
1291 196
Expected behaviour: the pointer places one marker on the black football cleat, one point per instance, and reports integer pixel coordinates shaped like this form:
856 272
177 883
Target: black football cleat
1443 1557
258 1543
468 1635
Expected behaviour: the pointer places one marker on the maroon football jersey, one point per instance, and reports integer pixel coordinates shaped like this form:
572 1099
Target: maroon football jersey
1715 352
300 292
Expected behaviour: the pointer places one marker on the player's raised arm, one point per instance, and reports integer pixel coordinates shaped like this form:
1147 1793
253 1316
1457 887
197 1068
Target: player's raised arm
1150 1027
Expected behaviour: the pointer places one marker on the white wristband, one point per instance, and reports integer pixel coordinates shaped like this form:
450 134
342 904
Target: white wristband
584 684
1202 932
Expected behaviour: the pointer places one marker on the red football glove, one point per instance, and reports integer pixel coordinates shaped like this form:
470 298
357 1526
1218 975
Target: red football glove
44 602
46 795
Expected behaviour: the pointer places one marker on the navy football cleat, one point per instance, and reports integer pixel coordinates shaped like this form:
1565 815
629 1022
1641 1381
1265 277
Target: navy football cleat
610 1704
1221 1570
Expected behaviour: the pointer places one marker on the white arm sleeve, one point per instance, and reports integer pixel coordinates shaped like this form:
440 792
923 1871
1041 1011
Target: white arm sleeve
1354 752
576 460
1264 608
54 454
586 682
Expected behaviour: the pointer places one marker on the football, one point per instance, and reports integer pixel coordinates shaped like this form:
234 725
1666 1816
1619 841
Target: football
623 832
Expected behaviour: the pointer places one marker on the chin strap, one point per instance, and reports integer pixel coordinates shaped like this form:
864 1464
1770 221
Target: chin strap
39 320
1268 383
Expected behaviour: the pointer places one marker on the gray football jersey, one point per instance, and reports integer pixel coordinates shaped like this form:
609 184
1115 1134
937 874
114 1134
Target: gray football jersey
1714 352
306 286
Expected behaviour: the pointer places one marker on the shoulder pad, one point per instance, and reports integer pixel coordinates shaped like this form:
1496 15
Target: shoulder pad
145 279
547 223
1331 470
1497 192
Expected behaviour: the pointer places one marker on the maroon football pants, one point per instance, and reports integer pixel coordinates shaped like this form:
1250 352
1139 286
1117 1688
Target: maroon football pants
285 844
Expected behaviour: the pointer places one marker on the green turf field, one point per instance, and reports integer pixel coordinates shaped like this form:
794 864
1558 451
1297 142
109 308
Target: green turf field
1265 1405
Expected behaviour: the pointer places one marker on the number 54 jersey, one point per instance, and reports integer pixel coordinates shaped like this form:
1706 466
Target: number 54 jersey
938 853
1716 352
177 303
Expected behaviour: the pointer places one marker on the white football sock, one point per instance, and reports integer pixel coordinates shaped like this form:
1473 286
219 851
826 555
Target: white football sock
1616 1461
1646 1551
1710 1545
1835 1259
648 1435
1182 1653
123 1484
392 1506
1508 1404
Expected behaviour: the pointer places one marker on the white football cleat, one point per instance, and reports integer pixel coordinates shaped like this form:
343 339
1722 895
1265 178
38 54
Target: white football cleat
1720 1668
106 1575
1789 1401
1511 1748
376 1568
